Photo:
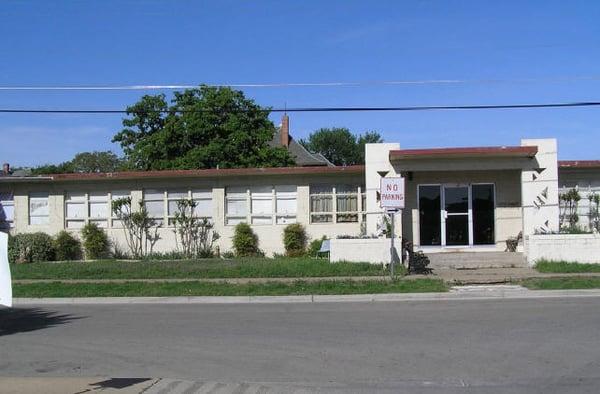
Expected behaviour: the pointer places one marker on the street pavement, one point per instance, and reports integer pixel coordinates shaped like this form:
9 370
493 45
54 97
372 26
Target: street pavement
442 346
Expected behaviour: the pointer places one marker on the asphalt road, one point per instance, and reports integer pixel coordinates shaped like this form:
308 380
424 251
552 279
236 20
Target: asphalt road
492 346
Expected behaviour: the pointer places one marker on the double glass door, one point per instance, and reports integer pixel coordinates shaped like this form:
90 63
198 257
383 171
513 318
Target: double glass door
456 215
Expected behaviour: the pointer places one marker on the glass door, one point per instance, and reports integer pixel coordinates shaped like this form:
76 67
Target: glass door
456 217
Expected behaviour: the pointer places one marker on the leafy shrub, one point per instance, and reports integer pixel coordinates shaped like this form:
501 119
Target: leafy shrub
294 240
315 246
67 246
245 241
228 254
29 248
95 242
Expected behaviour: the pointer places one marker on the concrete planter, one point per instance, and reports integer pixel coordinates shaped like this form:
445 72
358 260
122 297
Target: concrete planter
372 250
580 248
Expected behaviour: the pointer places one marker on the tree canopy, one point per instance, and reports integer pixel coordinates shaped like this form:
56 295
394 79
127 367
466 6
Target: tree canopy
105 161
201 128
339 145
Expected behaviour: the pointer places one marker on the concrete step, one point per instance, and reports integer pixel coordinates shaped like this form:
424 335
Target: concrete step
474 260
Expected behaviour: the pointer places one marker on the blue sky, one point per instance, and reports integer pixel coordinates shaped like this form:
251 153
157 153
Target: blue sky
191 42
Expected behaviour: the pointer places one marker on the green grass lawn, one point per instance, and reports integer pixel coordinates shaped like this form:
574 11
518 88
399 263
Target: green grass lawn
562 283
195 269
145 289
565 267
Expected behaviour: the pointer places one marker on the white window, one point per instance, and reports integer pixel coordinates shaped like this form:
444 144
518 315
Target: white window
337 204
154 202
159 202
38 208
261 205
7 210
287 204
114 196
236 201
92 207
203 200
75 209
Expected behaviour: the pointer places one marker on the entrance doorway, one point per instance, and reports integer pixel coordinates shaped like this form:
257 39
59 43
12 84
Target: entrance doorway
456 215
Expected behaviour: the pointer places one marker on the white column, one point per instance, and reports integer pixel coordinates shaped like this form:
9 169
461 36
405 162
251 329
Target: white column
377 159
539 189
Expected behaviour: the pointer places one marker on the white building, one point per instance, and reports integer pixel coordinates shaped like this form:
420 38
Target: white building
456 198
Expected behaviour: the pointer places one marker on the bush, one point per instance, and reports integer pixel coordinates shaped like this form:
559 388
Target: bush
294 240
29 248
245 241
95 242
315 246
67 247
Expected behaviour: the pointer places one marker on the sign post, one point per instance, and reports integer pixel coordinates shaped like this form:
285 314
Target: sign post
5 282
391 192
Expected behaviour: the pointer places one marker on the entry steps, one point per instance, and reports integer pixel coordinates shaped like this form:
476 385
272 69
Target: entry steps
475 260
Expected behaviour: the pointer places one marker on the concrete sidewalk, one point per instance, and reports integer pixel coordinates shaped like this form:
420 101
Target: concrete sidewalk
62 385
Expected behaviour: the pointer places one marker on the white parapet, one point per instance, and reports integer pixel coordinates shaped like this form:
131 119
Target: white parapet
576 248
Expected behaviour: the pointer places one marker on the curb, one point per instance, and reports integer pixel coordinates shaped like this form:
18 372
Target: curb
456 294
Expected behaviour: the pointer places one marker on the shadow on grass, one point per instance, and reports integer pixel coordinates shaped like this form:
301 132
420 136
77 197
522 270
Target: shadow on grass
17 320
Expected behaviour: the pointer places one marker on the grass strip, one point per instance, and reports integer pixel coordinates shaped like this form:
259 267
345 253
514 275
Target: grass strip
565 267
195 269
156 289
562 283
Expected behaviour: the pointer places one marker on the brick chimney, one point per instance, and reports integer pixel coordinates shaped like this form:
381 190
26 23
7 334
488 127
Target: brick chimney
285 130
5 169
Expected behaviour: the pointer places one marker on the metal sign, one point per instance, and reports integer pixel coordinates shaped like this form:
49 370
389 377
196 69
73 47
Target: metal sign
5 282
392 192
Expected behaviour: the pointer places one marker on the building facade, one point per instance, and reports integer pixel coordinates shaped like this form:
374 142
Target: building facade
456 198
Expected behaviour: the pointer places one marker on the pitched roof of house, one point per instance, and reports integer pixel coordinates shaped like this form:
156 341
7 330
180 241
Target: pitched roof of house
303 157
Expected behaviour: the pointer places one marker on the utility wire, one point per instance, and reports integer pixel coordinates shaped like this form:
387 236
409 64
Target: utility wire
306 84
316 109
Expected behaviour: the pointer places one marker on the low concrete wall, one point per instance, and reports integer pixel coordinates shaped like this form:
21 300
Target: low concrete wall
580 248
373 250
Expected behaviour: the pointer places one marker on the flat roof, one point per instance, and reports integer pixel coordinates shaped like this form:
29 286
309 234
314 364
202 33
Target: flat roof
469 152
579 163
208 173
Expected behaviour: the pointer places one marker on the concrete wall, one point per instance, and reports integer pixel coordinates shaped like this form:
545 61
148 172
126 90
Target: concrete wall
508 219
362 250
540 189
377 159
580 248
270 236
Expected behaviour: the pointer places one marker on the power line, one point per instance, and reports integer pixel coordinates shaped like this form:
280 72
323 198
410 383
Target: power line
318 109
303 84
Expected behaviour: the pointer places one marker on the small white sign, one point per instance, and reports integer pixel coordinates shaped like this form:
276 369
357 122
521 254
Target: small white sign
5 282
392 192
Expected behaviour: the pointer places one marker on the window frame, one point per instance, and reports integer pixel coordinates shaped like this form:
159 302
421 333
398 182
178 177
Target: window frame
273 216
335 213
8 224
30 198
109 219
167 219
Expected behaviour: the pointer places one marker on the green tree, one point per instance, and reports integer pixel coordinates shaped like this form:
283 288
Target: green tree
95 161
339 145
202 128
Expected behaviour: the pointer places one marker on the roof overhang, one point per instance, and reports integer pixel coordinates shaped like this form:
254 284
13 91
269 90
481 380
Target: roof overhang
464 159
579 164
207 174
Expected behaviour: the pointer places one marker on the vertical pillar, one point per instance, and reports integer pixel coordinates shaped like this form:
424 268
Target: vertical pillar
539 189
